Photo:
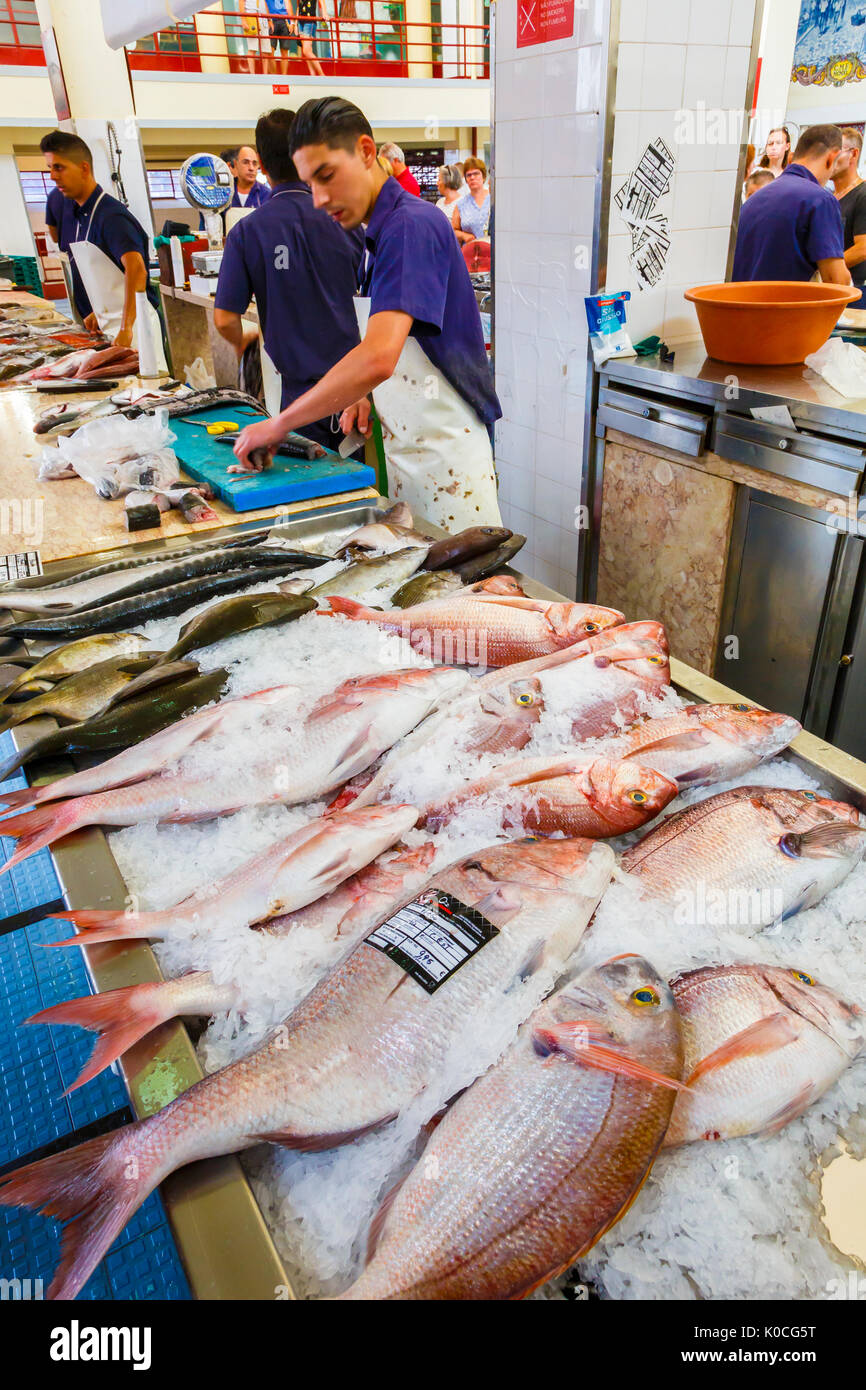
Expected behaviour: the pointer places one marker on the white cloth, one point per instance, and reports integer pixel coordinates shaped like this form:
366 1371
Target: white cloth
105 287
437 450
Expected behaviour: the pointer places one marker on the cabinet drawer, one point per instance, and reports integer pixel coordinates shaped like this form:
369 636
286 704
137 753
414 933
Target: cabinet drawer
653 420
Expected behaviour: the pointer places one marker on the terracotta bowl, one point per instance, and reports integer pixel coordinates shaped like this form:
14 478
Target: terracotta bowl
768 322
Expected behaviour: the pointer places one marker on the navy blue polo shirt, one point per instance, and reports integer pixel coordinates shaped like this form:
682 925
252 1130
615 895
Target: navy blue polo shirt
258 194
112 228
416 267
787 227
303 271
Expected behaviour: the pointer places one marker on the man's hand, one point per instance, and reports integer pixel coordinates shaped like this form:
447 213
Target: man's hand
91 323
124 338
259 439
357 417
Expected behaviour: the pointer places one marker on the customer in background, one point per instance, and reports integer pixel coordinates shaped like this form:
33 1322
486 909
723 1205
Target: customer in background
794 227
759 178
450 188
777 151
280 38
303 22
256 32
472 214
399 169
249 192
850 191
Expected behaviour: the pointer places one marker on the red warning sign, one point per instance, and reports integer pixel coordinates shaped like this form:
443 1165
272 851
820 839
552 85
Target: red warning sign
539 21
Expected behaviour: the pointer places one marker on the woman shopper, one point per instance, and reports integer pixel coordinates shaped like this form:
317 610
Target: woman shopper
472 212
450 189
777 151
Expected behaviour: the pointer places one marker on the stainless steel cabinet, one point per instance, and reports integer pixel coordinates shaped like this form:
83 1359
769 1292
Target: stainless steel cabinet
790 587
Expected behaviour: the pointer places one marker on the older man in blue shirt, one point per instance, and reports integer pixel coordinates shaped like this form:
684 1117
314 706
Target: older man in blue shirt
303 272
422 352
793 227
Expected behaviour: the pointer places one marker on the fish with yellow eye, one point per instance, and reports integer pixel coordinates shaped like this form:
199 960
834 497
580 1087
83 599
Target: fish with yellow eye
702 744
532 1164
572 795
762 1043
748 857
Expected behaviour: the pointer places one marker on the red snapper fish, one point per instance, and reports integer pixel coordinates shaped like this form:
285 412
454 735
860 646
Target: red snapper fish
706 743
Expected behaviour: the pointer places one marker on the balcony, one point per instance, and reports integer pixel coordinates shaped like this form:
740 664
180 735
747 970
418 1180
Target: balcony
20 35
367 39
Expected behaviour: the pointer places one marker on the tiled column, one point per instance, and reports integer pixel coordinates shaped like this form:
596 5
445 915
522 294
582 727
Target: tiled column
549 104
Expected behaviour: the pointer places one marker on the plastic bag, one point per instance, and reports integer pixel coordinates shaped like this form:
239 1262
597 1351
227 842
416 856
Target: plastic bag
843 366
605 314
115 455
196 375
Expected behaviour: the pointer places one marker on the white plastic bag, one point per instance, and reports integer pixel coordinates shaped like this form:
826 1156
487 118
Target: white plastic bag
843 366
196 375
113 454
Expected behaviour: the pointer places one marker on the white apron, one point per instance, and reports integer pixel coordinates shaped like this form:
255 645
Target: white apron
104 284
437 450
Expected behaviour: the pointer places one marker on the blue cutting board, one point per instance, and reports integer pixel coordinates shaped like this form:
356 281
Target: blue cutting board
288 480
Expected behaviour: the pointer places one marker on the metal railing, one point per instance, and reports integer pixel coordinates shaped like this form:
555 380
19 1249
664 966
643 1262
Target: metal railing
20 34
373 40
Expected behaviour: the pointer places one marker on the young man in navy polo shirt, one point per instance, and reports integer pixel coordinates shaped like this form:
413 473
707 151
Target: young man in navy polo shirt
77 210
794 227
419 310
303 272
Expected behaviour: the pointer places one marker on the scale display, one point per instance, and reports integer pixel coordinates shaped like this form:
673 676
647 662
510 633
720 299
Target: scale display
207 182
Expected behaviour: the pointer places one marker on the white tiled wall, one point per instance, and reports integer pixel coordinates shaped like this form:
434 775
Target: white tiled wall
676 56
672 55
547 105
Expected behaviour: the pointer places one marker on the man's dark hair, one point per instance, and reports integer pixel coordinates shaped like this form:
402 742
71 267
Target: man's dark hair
759 176
329 121
70 146
229 156
273 134
817 140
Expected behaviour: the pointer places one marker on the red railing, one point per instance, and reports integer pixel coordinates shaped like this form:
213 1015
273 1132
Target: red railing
20 35
365 45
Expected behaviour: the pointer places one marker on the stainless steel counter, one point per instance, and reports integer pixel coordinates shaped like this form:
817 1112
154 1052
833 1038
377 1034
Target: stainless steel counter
694 376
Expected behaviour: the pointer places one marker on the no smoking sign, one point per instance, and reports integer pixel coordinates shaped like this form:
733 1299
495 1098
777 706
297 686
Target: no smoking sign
540 21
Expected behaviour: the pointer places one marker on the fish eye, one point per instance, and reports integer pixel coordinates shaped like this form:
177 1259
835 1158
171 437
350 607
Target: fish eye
524 699
528 840
742 709
638 797
592 627
809 796
645 997
802 977
656 660
473 864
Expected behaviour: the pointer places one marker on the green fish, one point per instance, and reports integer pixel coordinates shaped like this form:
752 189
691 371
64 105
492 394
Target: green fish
77 656
233 615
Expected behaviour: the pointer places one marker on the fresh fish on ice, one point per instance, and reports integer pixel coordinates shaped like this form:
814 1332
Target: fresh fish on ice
362 1046
706 743
539 1158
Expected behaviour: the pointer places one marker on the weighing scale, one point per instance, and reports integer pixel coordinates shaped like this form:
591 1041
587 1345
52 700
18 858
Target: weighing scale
207 184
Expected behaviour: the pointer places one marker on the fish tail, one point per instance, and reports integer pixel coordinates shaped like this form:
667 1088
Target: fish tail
96 1187
40 827
10 800
351 609
120 1016
105 924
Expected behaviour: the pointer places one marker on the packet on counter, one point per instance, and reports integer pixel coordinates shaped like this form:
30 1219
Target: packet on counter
843 366
605 314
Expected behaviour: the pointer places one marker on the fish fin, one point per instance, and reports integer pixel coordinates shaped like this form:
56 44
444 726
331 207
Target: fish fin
37 828
120 1016
562 769
98 924
707 773
90 1188
505 901
822 840
317 1143
349 607
573 1040
377 1225
14 800
786 1113
765 1035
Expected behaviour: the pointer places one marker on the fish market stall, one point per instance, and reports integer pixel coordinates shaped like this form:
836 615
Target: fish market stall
240 939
